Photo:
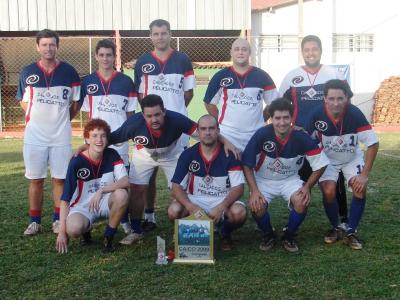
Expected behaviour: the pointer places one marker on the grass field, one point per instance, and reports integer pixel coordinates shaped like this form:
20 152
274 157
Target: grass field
30 267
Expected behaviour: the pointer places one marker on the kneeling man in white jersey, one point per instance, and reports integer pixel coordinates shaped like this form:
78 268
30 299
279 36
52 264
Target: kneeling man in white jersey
271 162
206 179
95 187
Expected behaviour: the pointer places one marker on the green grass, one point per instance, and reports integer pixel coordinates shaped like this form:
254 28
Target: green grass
31 268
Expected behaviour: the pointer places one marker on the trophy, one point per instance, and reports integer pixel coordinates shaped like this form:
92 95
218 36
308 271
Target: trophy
161 258
194 239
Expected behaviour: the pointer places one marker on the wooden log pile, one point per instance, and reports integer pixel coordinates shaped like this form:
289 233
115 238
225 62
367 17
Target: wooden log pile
387 102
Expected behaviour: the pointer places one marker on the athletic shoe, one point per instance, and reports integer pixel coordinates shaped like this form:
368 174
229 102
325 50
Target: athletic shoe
148 226
268 241
343 226
132 238
126 227
353 242
333 235
226 243
33 229
108 246
56 227
86 239
289 243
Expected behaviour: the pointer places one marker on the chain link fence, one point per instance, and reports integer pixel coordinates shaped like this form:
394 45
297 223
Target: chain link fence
15 53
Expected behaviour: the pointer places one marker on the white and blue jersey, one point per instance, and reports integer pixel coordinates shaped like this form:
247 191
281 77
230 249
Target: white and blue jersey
340 138
169 78
306 90
85 177
48 97
276 159
110 101
208 179
162 143
240 99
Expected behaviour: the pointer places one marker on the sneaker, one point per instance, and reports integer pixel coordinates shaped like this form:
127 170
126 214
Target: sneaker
353 242
56 227
33 229
131 238
148 226
86 239
289 243
333 235
126 227
343 226
268 241
108 246
226 243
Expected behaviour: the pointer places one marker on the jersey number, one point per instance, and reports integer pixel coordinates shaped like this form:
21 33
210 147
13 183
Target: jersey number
352 141
359 169
65 94
125 104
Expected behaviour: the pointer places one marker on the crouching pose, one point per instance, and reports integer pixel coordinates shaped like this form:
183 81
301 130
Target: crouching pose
95 187
206 179
271 160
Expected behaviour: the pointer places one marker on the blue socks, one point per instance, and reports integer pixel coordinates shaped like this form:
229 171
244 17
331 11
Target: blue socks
109 231
136 227
332 212
356 212
125 217
264 223
35 215
227 228
295 219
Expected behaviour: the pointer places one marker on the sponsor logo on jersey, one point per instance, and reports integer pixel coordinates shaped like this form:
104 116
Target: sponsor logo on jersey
269 146
83 173
298 79
225 82
141 140
32 79
148 68
194 166
321 125
92 88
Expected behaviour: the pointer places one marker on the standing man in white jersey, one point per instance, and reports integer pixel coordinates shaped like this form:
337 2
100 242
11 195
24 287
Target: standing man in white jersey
48 92
169 74
304 87
237 96
110 95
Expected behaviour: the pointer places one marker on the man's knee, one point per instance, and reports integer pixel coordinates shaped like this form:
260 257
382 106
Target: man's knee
119 199
329 191
175 211
37 182
237 213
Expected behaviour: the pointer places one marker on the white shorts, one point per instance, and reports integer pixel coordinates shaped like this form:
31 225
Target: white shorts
208 203
142 167
83 209
37 158
238 139
350 169
285 188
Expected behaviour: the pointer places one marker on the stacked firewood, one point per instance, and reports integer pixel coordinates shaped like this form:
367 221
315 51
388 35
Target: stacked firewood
387 102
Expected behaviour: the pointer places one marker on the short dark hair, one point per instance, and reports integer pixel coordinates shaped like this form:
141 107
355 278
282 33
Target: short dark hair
160 23
337 84
47 33
281 104
96 124
106 43
151 101
208 116
311 38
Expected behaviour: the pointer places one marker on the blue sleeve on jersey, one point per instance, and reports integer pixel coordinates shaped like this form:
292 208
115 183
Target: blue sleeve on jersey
182 167
70 180
138 75
74 75
126 131
83 92
212 88
185 124
307 142
252 149
187 63
358 117
21 86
